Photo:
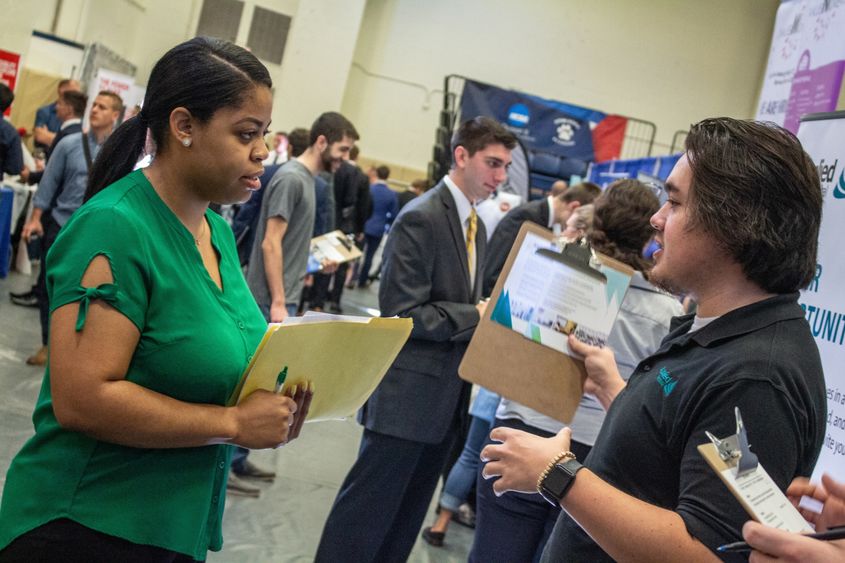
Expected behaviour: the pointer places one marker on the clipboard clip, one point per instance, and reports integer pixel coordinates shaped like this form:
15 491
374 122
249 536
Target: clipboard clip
735 449
577 255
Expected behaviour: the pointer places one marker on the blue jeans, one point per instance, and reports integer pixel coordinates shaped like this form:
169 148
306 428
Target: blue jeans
462 475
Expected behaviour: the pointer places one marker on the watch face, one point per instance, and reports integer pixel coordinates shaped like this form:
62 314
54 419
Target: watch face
557 480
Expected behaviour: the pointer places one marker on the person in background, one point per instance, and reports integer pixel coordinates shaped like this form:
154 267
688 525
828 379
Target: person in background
417 188
385 209
47 121
61 192
431 275
279 258
280 151
772 544
131 447
363 210
70 107
516 527
11 154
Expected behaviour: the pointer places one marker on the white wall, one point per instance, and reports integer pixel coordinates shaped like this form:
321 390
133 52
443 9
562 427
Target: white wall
668 61
19 19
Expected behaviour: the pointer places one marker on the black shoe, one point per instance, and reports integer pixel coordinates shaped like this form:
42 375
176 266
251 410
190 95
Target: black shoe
335 308
22 295
27 301
433 538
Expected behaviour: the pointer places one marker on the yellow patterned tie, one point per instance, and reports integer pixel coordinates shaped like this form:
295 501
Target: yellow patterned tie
472 227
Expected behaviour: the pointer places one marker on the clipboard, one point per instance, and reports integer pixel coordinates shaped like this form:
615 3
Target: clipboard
335 246
505 362
342 358
738 468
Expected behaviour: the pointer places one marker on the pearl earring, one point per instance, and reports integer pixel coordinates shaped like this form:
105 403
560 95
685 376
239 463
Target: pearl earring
186 142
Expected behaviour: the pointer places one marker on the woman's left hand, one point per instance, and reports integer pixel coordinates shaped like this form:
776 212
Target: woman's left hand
302 397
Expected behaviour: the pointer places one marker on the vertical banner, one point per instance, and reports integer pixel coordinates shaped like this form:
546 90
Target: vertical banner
9 64
806 61
824 300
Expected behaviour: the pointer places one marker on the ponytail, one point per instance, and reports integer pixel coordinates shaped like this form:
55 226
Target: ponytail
117 156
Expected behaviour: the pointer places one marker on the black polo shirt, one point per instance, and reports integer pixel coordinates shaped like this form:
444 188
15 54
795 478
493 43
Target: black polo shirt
761 358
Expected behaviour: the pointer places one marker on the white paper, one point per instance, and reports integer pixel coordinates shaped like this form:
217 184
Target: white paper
548 300
765 500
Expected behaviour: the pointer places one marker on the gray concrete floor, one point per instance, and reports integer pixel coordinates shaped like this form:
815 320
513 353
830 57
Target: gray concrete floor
285 523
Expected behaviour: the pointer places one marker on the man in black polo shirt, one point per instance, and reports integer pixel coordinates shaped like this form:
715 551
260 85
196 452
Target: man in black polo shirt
739 233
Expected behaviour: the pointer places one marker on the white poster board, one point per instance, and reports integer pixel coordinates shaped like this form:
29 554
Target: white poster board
824 300
806 61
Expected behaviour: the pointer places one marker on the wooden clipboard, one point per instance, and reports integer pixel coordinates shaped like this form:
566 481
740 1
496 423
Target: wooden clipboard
507 363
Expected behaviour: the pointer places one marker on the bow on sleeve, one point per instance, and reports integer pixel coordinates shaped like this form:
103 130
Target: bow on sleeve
107 292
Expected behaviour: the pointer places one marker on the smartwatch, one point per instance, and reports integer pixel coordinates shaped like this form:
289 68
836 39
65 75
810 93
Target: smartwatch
557 481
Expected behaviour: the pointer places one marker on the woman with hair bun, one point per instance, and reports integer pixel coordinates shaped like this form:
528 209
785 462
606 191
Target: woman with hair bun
151 326
515 527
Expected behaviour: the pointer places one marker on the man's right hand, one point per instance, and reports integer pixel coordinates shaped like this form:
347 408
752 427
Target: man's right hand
278 313
32 228
263 420
603 379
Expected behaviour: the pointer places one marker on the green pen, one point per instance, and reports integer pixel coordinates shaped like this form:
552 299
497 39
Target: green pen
280 380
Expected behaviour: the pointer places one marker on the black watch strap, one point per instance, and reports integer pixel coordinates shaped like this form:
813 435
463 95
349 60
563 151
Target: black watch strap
558 480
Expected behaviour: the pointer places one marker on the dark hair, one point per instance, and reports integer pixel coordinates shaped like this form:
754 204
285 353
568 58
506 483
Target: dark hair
298 141
64 82
354 152
76 100
477 133
420 184
756 192
6 97
334 127
383 172
621 222
201 75
583 193
116 100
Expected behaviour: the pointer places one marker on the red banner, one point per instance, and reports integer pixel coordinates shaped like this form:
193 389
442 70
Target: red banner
9 63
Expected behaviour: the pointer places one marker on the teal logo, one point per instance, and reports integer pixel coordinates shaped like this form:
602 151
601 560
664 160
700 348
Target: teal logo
839 189
666 381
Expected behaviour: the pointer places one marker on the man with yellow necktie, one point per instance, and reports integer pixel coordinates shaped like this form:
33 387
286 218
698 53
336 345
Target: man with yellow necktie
433 265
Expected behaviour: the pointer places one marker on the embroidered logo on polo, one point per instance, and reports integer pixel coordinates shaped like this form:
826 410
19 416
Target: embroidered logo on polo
666 381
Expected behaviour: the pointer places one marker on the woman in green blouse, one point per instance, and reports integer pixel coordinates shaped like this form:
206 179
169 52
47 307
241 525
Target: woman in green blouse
151 326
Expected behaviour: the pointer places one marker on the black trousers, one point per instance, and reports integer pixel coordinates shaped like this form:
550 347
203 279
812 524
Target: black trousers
321 290
383 501
51 231
67 541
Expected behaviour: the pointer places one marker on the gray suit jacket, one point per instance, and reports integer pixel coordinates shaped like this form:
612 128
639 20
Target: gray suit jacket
425 277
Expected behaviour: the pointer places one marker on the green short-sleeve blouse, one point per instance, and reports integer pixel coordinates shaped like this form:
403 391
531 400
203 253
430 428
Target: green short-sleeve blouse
195 342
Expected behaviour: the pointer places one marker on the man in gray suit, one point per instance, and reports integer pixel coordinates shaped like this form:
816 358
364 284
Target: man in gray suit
433 269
